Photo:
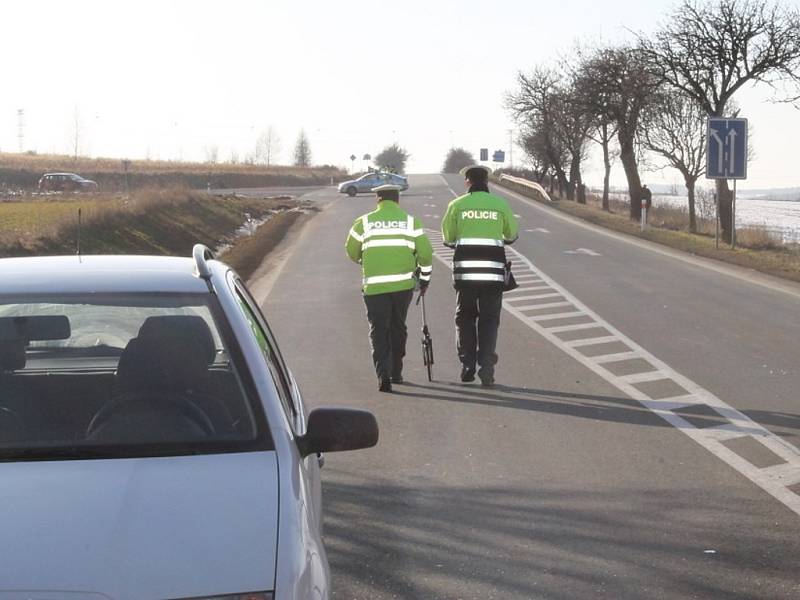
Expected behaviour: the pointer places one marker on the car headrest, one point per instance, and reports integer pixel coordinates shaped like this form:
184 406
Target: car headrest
12 355
186 328
171 353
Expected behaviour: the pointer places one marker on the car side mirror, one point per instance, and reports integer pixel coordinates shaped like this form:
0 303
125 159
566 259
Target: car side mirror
338 429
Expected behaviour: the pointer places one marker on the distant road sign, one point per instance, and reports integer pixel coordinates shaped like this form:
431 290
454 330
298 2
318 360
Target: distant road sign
499 156
727 149
484 154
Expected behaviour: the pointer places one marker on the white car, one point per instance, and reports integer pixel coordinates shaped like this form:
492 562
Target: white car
153 443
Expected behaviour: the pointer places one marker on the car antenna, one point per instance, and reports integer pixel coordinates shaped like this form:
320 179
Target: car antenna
79 235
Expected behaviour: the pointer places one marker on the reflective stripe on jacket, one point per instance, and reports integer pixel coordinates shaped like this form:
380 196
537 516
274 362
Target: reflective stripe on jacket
391 246
479 225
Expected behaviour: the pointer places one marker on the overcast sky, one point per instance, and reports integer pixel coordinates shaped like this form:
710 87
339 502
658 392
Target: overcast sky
170 79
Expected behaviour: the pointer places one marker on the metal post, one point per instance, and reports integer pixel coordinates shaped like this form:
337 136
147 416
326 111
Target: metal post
733 217
716 221
78 241
644 215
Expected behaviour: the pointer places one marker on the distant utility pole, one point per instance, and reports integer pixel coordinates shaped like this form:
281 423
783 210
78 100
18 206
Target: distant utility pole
21 129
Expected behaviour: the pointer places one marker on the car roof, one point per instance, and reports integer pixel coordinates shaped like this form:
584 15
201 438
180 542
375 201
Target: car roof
100 274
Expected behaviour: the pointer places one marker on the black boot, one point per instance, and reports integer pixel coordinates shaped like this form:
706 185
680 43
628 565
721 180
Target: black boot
487 378
467 374
384 384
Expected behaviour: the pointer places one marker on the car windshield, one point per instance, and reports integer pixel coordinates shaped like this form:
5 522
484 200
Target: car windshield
119 376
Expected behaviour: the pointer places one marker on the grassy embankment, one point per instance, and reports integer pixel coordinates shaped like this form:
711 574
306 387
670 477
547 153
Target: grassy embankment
757 249
167 222
22 172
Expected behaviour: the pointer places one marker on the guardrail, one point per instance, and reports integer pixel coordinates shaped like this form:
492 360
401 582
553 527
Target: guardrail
525 183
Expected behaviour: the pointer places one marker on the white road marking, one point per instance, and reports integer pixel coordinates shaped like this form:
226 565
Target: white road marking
618 357
447 185
542 306
606 339
775 480
587 251
533 297
538 230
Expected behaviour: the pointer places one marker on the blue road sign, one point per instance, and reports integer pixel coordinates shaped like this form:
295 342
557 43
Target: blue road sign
726 156
499 156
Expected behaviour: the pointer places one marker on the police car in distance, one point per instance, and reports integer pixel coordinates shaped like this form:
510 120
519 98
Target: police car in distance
154 444
366 183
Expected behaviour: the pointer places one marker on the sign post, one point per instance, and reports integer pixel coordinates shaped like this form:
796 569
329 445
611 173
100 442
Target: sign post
726 156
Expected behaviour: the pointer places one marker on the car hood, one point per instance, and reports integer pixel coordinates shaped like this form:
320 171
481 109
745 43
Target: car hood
139 529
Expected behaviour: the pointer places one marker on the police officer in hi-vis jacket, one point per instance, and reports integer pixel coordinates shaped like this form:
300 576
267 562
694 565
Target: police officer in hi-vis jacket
479 225
394 253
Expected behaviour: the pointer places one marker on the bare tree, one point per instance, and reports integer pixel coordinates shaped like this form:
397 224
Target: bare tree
676 130
302 150
538 150
710 50
457 159
392 158
555 126
619 86
603 129
268 145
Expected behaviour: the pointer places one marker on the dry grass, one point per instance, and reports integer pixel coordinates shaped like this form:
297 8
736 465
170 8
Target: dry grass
150 221
757 248
58 162
22 172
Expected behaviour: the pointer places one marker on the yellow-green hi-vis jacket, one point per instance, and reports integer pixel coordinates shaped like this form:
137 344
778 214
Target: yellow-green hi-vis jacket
390 245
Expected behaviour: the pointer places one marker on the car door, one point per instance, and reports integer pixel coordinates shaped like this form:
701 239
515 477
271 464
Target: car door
288 393
367 183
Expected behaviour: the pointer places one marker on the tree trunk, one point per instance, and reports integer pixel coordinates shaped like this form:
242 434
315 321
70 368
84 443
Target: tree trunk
725 199
607 173
574 176
627 156
561 178
690 183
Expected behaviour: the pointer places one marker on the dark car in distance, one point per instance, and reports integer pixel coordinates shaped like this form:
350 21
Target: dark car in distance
66 182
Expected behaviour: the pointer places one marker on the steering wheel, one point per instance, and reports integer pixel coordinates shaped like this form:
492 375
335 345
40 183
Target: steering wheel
158 401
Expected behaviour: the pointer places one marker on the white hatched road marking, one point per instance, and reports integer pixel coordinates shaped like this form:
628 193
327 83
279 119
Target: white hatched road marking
775 480
586 251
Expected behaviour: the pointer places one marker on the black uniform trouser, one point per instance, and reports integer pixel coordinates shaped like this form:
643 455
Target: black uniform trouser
387 330
476 306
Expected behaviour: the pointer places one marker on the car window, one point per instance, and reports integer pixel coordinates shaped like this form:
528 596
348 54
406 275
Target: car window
121 375
270 351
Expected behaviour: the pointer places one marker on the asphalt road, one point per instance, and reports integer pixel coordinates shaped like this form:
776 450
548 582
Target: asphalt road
659 462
